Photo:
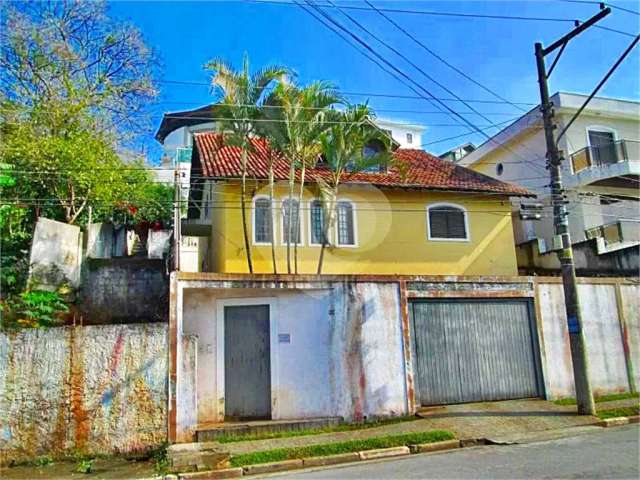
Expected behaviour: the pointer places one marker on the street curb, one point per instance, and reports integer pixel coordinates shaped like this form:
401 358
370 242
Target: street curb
618 421
384 453
328 460
272 467
435 447
212 474
331 460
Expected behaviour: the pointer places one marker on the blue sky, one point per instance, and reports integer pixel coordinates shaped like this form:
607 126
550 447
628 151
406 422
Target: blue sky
495 52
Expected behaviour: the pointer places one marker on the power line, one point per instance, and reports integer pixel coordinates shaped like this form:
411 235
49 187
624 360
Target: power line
429 13
627 34
376 110
368 94
434 54
388 63
610 5
470 124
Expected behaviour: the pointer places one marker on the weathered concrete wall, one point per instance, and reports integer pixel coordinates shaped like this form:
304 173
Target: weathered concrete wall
99 389
630 309
56 255
603 336
348 344
125 290
343 356
588 261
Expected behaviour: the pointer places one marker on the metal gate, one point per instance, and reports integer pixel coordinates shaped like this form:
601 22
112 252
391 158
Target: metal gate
247 363
474 350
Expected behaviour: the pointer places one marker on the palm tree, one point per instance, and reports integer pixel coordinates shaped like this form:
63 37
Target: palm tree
240 95
298 117
344 149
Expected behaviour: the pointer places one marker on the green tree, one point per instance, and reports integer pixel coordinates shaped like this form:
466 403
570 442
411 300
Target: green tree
297 117
71 53
239 95
66 167
345 147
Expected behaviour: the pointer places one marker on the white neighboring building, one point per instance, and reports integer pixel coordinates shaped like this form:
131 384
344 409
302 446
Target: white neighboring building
407 135
601 173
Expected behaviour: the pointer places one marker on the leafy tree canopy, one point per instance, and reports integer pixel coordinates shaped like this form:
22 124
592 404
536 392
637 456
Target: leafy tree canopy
70 52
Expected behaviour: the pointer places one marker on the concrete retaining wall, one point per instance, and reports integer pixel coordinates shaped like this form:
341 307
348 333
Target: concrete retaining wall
99 389
346 348
342 355
124 290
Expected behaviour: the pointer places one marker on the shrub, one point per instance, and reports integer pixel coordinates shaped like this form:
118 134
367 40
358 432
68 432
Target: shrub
35 309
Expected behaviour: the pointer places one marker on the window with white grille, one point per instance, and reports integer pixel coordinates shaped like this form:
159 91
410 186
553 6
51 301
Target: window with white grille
262 220
291 221
317 225
346 223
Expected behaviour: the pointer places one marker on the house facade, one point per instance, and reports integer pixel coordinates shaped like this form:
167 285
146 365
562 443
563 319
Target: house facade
420 216
600 173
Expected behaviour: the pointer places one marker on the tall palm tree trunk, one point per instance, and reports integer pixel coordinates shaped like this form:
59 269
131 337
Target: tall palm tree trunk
243 208
292 179
271 195
303 172
326 228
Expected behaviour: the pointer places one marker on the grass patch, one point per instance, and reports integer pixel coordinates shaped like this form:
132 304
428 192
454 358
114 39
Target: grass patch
325 449
602 398
619 412
342 427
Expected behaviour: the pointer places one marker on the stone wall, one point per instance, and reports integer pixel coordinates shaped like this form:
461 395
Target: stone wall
82 389
124 290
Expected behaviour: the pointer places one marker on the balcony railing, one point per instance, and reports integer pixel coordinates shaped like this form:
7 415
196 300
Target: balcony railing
602 155
616 233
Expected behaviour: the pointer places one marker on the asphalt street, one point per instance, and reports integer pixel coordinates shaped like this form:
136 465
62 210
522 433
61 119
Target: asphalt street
611 453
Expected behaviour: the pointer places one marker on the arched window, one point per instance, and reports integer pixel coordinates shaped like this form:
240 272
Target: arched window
262 221
316 222
291 214
346 223
446 221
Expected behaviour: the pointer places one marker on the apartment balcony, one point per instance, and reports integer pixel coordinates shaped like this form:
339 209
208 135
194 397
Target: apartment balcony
616 162
615 235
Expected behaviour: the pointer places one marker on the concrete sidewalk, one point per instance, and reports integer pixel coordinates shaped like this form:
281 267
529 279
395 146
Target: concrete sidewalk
499 421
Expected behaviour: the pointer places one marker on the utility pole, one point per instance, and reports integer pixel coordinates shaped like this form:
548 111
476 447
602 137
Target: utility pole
584 394
177 221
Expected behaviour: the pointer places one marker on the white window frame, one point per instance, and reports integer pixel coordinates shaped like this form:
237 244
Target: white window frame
253 219
600 128
466 223
310 224
283 241
355 224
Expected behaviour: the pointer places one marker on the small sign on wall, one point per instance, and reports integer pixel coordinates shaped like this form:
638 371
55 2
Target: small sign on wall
284 338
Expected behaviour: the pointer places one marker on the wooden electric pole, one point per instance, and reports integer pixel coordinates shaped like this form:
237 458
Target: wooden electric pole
584 395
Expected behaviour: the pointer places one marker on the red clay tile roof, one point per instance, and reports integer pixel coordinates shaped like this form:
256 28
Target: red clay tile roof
421 169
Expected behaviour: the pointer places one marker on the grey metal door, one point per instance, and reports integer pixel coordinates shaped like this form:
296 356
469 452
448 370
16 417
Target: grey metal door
466 351
247 365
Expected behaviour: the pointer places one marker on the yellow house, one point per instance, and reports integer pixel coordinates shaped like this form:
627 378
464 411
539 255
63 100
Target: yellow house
422 216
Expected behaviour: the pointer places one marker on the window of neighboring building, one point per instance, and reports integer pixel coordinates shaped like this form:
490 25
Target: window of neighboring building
375 147
602 143
346 223
291 213
499 169
316 220
447 222
409 137
262 220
